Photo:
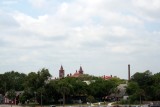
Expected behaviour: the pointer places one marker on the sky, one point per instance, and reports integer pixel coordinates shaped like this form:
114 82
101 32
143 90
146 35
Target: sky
102 36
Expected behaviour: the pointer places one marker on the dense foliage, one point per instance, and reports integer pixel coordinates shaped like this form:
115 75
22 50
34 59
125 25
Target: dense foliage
144 87
12 80
40 88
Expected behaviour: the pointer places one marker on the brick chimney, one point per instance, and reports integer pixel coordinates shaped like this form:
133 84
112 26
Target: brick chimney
129 72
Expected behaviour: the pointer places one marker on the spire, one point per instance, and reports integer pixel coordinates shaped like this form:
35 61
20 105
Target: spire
61 67
61 72
80 70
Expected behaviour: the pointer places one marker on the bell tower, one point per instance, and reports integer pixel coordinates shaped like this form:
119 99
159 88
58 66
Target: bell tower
61 72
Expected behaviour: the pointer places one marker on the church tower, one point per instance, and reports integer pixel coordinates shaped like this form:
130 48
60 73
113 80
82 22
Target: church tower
80 70
61 72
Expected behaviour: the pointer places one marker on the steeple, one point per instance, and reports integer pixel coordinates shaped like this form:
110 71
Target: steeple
80 70
61 72
61 67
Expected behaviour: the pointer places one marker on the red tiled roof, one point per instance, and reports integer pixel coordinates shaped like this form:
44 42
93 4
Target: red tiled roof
106 77
76 74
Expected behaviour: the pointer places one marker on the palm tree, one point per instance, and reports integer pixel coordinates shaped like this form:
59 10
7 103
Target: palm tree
115 91
140 93
64 88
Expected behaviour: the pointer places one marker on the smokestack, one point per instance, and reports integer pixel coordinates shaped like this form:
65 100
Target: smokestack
129 72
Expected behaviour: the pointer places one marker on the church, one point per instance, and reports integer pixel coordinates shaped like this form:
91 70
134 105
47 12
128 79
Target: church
76 74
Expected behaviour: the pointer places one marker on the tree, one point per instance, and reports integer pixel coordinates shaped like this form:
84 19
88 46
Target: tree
90 99
145 82
156 86
23 98
35 81
79 88
51 92
11 95
116 91
140 93
143 79
11 80
64 88
101 88
144 86
132 88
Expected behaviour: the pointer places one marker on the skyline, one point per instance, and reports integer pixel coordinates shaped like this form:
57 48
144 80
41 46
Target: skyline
102 36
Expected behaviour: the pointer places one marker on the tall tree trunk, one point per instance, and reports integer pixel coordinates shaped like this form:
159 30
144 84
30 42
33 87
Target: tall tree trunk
11 103
63 99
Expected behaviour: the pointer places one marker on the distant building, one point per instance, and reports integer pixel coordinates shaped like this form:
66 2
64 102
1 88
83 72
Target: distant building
120 93
15 101
89 82
78 73
106 77
61 72
80 70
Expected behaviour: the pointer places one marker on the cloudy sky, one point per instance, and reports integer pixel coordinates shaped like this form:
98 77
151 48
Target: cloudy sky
103 36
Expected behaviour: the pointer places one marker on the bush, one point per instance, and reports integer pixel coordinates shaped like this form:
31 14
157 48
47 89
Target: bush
124 102
90 99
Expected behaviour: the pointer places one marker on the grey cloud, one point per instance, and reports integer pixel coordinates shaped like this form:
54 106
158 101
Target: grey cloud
4 44
147 10
93 44
56 38
7 21
79 37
